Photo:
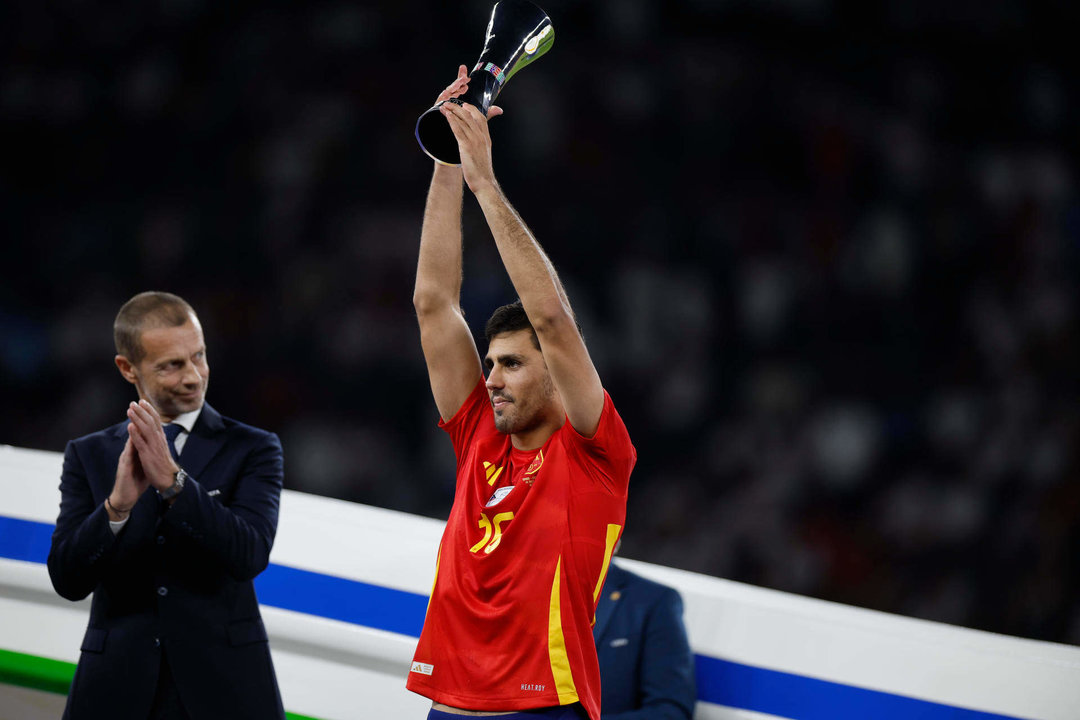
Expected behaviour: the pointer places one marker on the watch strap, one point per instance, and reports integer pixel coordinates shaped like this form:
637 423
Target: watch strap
179 479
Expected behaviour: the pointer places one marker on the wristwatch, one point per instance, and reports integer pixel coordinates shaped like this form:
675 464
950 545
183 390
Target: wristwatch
178 484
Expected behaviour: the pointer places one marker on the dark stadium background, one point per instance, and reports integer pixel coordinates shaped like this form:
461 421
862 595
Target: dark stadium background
825 253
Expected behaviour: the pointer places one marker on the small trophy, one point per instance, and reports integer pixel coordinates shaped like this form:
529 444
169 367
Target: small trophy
517 34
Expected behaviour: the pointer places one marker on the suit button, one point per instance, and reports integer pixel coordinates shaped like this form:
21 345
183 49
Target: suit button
163 591
160 539
157 642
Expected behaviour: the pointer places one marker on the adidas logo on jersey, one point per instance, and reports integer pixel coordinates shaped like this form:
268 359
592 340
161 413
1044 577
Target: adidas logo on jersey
422 668
491 472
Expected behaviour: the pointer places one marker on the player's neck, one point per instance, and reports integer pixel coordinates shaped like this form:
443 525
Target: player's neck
535 438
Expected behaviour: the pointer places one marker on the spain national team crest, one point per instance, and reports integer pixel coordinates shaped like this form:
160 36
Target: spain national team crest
530 473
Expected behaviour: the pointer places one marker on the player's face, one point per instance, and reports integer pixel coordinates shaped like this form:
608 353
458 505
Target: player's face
174 373
519 384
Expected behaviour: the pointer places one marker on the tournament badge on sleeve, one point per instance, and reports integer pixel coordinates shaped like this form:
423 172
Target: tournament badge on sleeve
518 33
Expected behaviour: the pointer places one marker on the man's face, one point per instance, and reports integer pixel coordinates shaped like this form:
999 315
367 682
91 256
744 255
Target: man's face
519 384
173 374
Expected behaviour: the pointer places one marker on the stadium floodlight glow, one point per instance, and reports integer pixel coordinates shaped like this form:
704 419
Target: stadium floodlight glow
518 33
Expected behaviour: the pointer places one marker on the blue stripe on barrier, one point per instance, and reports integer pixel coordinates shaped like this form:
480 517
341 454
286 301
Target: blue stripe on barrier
794 696
337 598
281 586
719 681
25 539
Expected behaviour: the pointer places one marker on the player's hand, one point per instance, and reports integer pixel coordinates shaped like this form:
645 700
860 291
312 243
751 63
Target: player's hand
474 144
130 484
149 441
458 88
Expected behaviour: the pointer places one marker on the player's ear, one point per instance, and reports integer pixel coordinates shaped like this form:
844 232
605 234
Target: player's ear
126 368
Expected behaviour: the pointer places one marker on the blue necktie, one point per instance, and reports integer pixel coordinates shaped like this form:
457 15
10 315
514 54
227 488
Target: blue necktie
172 430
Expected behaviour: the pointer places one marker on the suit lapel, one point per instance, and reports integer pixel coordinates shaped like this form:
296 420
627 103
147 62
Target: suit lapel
118 435
612 584
205 441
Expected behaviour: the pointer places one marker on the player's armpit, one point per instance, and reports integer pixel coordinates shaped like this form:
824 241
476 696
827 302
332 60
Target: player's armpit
453 363
572 371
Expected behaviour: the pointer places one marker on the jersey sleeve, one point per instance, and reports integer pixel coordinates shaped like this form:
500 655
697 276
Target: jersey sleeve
608 455
469 419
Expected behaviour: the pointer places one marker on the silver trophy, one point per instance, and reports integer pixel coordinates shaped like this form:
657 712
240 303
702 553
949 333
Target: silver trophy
518 33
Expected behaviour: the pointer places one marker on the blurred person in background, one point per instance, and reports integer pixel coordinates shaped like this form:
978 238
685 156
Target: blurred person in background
544 462
166 517
646 664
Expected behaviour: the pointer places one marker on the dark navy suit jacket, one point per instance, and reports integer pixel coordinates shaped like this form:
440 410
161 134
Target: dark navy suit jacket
646 665
175 579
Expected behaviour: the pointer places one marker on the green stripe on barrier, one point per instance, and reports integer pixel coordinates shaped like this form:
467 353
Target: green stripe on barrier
54 676
37 673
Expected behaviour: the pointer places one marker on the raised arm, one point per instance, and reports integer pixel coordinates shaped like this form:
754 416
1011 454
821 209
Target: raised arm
532 274
452 360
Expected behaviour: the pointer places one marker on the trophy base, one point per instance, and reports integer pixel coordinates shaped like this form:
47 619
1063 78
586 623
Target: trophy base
436 138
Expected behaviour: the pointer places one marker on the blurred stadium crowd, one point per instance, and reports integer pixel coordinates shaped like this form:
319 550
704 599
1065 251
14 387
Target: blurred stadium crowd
825 254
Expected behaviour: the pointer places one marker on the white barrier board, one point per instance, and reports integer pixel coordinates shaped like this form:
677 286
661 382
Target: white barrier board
343 625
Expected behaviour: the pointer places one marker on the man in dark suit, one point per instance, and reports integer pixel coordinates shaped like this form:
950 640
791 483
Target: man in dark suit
167 527
646 665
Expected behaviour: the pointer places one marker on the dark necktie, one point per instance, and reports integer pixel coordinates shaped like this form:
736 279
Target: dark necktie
172 430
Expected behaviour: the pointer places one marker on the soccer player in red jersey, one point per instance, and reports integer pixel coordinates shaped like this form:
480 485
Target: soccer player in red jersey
543 464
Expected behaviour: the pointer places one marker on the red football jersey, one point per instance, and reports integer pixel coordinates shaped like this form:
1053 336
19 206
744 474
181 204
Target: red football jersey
521 564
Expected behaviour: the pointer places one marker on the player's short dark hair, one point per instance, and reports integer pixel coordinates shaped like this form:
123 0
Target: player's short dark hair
147 310
511 318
